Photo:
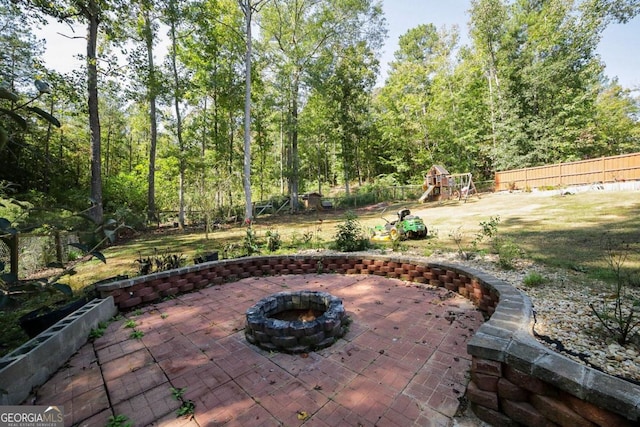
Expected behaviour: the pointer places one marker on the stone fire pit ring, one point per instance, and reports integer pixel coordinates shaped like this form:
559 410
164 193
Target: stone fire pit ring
296 336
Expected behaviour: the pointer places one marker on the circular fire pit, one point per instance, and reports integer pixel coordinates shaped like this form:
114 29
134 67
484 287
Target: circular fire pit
296 322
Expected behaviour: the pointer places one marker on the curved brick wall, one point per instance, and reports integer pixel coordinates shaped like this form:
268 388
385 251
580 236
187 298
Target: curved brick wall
514 379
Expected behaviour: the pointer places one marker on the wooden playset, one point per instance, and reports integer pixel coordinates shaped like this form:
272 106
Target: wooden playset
440 185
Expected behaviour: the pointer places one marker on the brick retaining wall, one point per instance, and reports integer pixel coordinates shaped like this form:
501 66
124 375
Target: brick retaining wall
514 379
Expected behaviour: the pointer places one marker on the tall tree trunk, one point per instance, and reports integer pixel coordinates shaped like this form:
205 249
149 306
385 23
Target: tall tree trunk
293 179
247 8
177 99
246 178
47 153
153 121
94 118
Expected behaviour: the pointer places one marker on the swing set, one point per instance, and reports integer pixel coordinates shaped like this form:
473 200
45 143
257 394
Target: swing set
440 185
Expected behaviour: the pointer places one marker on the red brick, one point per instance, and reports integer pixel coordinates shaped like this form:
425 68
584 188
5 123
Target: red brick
485 382
492 417
484 398
144 291
186 287
169 292
524 413
591 412
558 412
445 279
528 382
451 287
508 390
151 297
201 284
130 302
486 366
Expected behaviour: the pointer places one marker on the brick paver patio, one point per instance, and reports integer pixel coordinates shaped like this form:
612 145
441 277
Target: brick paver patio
403 361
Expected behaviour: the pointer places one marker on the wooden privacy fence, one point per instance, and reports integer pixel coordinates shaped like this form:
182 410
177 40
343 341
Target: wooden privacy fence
625 167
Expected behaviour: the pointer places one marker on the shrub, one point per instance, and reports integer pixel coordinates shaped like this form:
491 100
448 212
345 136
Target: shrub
159 262
508 252
533 279
250 242
273 240
350 236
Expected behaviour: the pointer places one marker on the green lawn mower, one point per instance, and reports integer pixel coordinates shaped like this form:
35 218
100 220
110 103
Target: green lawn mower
407 226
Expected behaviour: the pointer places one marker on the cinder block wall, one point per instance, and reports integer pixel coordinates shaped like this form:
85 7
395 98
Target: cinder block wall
514 379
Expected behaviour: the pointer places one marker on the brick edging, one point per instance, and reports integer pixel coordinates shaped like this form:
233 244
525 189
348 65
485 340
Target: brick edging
514 378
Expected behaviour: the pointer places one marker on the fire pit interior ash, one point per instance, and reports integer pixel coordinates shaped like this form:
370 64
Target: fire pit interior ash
296 322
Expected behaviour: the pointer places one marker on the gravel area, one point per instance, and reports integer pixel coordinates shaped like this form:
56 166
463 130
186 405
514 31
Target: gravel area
564 320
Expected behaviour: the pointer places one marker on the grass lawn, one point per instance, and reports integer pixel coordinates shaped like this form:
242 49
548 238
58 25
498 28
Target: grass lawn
558 231
561 231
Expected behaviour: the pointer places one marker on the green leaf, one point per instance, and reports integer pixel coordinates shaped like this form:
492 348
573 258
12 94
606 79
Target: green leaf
7 94
100 256
64 288
16 118
48 117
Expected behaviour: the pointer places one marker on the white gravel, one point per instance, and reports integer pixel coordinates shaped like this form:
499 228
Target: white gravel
564 320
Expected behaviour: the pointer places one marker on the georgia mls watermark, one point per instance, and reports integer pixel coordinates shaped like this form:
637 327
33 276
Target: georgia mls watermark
31 416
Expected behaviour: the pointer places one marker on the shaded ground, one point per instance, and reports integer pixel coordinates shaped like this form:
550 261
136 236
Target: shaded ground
403 361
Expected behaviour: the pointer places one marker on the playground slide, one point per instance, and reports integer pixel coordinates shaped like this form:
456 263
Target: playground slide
426 194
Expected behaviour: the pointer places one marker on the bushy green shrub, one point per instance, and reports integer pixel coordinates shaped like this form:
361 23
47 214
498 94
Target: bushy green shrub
350 236
533 279
508 252
273 240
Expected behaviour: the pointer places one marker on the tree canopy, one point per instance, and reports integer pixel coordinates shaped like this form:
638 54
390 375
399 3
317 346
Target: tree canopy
182 101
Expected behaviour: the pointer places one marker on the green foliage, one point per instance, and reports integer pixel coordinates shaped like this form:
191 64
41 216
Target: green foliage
273 240
508 252
619 311
350 236
136 335
98 331
159 262
489 230
533 279
130 324
188 406
119 421
250 242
